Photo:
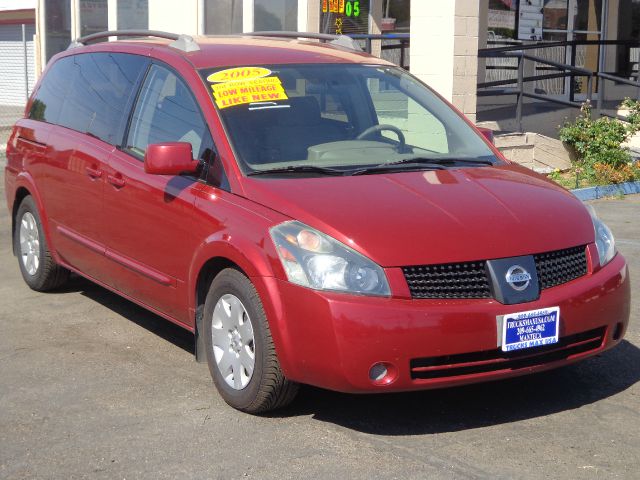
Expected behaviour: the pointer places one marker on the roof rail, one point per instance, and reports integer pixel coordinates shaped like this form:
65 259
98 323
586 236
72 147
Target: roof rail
340 40
185 43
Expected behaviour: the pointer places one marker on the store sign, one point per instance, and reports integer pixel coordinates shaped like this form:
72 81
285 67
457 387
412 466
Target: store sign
344 16
348 8
530 20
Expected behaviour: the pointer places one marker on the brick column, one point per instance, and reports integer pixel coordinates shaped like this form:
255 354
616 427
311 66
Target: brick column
444 49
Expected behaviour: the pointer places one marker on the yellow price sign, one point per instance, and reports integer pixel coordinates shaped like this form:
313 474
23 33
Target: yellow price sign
237 74
240 92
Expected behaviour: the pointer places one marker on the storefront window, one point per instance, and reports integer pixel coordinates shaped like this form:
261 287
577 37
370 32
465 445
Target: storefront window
629 29
588 15
502 19
396 16
556 15
133 14
93 16
57 26
344 17
222 17
275 15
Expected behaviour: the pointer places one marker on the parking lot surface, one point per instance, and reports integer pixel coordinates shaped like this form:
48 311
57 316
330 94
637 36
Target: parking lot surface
92 386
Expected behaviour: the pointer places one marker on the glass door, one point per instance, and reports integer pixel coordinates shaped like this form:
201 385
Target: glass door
566 20
587 25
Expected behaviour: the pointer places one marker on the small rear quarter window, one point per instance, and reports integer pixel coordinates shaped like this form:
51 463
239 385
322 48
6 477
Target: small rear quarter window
49 98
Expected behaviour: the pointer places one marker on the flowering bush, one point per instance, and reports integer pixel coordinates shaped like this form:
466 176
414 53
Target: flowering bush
606 174
600 156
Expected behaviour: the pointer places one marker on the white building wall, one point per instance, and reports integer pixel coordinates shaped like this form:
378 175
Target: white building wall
432 43
172 16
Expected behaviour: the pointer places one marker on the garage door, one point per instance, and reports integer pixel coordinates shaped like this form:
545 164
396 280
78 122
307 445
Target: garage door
12 78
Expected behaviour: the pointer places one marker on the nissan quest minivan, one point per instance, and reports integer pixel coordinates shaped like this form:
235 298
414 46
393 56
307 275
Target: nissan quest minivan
313 214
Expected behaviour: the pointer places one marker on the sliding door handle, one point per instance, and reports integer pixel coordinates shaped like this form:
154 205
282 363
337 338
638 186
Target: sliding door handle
93 172
116 181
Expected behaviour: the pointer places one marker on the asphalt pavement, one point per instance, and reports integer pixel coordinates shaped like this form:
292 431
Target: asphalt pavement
92 386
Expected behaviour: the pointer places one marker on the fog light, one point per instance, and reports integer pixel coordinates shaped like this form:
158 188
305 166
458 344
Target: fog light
383 373
378 372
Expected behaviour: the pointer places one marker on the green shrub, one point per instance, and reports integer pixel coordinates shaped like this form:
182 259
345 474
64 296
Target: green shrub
600 156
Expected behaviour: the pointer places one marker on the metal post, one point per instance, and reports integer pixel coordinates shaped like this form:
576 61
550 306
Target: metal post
202 18
368 45
26 66
572 83
590 90
601 54
520 93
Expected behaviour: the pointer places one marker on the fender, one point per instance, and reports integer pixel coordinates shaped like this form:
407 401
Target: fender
25 180
260 263
251 259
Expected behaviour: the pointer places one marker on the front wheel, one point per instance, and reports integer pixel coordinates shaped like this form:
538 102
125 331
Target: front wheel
240 351
37 266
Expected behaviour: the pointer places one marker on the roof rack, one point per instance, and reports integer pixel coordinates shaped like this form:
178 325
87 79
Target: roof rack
185 43
340 40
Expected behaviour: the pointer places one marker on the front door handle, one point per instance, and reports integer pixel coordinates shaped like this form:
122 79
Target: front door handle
116 181
93 172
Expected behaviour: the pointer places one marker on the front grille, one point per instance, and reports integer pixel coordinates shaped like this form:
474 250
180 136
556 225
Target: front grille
561 266
450 280
496 360
470 279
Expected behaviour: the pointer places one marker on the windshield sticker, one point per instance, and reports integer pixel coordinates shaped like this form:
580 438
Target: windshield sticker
238 73
241 92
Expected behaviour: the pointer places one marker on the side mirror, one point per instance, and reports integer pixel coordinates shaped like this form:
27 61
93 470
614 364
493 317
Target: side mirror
171 158
487 133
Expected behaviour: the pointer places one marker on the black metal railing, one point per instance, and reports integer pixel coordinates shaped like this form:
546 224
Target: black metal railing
394 45
562 70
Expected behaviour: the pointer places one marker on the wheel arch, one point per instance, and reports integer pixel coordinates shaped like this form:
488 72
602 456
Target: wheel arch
24 187
21 193
207 273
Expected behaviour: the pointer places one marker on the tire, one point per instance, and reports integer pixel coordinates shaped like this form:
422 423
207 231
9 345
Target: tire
230 344
38 268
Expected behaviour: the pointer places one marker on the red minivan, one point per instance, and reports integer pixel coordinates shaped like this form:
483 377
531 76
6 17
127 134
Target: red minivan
311 213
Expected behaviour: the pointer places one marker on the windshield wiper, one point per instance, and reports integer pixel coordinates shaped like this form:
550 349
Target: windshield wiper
396 167
298 169
440 161
433 163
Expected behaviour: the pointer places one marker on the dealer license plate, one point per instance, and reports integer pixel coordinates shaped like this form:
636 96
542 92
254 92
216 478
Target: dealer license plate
533 328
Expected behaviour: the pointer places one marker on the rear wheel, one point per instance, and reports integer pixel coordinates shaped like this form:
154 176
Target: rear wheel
240 351
38 268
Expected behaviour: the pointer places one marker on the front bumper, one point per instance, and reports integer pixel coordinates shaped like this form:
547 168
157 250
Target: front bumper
332 340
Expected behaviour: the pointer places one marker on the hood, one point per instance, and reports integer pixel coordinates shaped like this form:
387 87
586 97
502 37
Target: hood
414 218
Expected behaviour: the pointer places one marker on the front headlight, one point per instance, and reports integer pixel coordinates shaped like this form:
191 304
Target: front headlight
605 242
315 260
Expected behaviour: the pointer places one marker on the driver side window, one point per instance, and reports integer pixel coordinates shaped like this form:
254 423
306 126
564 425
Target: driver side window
166 112
420 127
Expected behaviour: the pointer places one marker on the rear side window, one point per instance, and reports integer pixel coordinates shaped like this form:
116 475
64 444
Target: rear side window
49 98
90 93
101 91
166 112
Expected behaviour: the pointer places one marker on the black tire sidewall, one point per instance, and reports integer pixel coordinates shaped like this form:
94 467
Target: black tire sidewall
233 282
37 280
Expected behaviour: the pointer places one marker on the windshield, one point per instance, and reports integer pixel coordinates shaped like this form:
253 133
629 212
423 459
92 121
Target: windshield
339 118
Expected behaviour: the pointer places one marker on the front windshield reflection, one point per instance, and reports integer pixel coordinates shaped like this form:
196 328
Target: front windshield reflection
338 117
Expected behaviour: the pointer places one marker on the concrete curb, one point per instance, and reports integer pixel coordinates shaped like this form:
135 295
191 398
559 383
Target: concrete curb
593 193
